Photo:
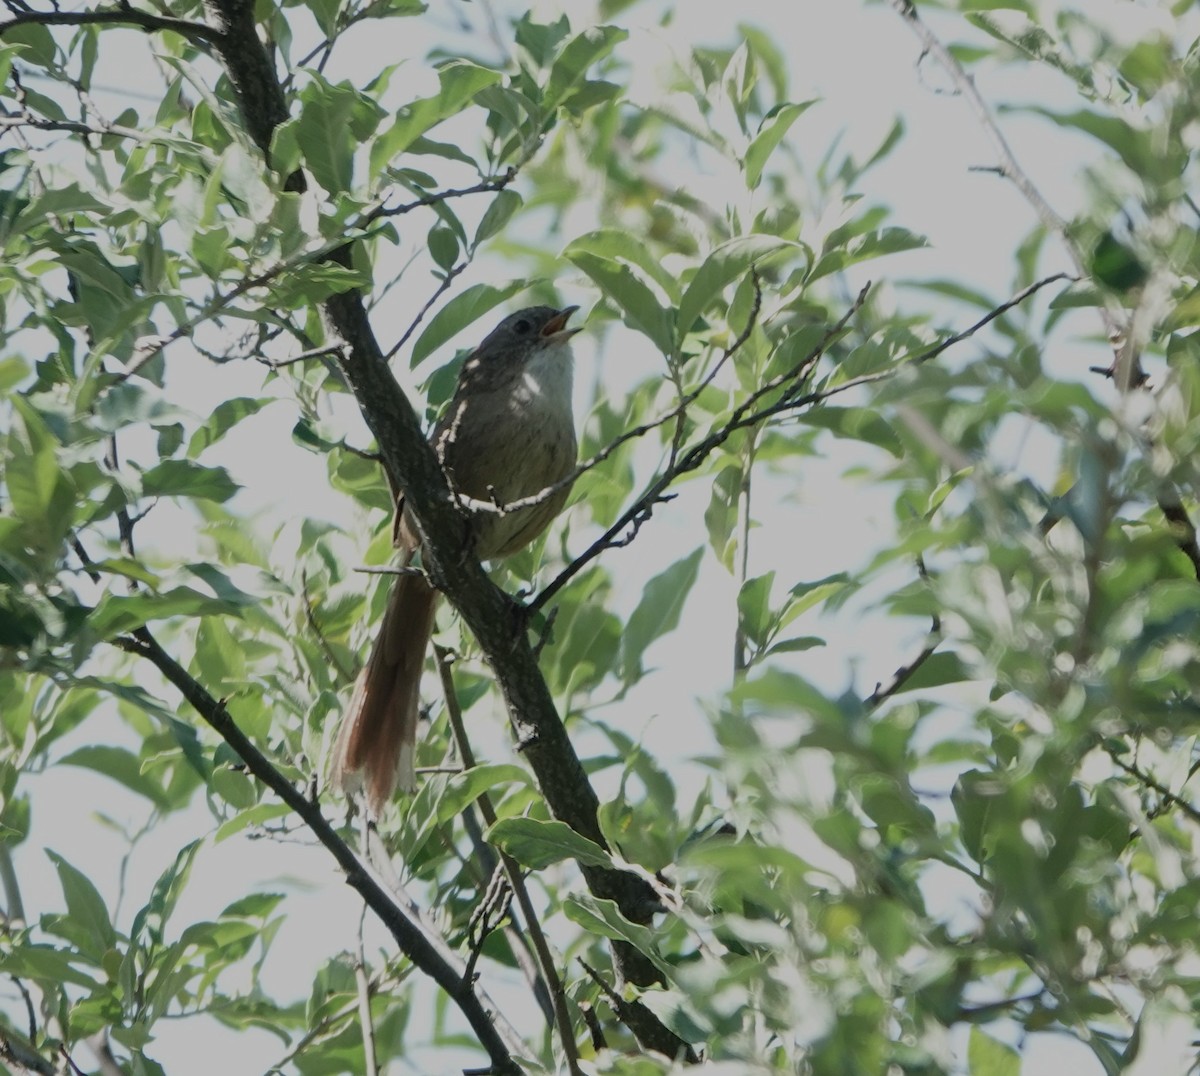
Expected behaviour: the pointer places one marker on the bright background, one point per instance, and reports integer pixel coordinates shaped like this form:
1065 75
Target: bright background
861 62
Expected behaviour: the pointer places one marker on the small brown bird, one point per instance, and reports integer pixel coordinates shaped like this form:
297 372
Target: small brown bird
508 433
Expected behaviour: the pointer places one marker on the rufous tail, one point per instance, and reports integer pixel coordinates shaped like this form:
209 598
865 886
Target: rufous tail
377 740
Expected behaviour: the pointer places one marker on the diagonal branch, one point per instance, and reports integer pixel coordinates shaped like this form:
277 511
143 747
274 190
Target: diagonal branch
494 1034
748 415
640 510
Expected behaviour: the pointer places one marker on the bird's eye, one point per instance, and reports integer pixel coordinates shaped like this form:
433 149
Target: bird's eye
521 327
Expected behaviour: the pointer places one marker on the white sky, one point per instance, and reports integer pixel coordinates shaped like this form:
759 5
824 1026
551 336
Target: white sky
860 61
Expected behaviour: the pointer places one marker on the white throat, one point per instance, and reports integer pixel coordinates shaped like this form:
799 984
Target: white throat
548 378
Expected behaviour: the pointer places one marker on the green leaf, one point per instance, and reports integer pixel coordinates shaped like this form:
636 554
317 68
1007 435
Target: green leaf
603 917
770 133
633 297
119 613
122 766
855 424
617 245
151 920
85 906
334 121
1116 266
46 964
1140 148
577 56
463 310
460 81
497 215
754 607
729 262
873 244
990 1057
465 788
257 815
657 613
226 415
41 494
537 844
183 478
944 667
443 246
720 517
806 596
36 45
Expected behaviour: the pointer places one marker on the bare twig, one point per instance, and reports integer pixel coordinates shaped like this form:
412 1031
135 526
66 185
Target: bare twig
438 292
549 980
497 183
40 123
334 350
149 348
992 315
1011 170
30 1011
905 673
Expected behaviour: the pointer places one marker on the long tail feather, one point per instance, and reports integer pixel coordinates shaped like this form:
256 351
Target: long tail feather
376 743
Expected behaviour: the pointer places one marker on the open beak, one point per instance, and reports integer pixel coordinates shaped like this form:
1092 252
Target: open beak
556 328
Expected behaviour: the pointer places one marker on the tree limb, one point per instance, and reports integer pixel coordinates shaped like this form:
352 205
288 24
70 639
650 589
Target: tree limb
123 15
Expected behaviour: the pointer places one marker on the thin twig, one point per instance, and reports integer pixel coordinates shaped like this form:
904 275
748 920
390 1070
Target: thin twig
371 1065
1157 786
550 980
905 673
640 510
18 120
497 183
438 292
304 356
746 416
1011 170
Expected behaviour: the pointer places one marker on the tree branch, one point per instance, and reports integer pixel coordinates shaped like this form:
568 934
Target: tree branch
496 183
1156 786
122 15
641 509
494 1035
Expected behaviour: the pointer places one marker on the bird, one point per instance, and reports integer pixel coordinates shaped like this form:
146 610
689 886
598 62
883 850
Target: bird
507 434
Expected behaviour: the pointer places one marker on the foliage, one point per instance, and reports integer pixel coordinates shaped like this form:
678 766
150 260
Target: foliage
935 872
